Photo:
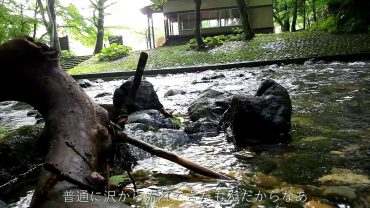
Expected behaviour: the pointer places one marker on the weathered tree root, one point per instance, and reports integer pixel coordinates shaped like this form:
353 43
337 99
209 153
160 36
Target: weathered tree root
76 129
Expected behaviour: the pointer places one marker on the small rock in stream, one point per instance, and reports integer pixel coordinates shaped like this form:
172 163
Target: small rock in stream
173 92
84 83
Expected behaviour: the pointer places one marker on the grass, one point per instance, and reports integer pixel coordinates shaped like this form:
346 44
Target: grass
262 47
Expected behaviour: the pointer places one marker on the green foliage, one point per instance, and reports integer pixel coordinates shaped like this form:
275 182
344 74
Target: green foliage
114 52
3 132
13 22
157 4
344 16
235 37
67 54
176 121
211 42
77 26
237 30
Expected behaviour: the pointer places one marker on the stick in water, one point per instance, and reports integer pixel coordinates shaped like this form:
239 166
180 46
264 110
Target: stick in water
170 156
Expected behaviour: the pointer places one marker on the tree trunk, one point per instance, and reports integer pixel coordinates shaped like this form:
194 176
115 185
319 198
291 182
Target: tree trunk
286 24
295 14
304 14
54 39
243 11
35 16
100 27
197 33
314 13
45 22
75 127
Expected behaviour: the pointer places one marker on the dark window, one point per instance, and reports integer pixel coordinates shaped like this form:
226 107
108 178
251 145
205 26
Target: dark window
210 18
187 21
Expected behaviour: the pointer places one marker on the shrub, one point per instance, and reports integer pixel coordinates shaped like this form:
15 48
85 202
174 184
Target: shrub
67 54
235 37
113 52
210 42
237 30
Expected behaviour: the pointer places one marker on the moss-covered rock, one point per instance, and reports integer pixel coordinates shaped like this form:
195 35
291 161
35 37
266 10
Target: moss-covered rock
19 152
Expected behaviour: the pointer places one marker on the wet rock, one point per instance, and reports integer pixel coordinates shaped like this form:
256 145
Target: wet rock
136 127
3 204
211 104
263 118
213 76
32 113
309 62
343 193
321 62
19 152
103 94
266 181
273 68
20 106
152 118
173 92
164 138
146 97
345 177
316 204
203 128
84 83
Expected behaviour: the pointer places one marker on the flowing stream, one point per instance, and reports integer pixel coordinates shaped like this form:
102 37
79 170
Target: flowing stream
328 162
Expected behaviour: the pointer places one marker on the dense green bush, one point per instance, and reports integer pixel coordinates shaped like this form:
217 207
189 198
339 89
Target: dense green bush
211 42
345 16
114 52
67 54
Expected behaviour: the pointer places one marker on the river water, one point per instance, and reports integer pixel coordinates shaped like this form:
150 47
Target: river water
327 164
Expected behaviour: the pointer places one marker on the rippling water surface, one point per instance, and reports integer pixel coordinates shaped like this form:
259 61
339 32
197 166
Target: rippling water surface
328 160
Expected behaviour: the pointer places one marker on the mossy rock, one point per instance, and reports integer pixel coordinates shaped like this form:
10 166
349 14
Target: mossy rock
19 152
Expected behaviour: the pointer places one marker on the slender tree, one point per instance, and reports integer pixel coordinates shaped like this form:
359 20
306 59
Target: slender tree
54 38
99 23
314 14
243 11
198 36
295 14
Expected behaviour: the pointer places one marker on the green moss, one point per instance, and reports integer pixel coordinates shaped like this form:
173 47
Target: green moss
3 132
262 47
176 121
28 130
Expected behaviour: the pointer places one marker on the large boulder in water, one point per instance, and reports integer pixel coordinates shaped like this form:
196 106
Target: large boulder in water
146 97
211 104
20 151
263 118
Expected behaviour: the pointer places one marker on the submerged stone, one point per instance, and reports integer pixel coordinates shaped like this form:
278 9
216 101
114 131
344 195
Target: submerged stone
345 177
339 193
173 92
152 118
203 128
316 204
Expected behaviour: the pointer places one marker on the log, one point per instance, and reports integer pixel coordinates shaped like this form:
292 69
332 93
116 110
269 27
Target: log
123 137
75 129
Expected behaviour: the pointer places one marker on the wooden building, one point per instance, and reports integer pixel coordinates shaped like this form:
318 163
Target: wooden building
217 17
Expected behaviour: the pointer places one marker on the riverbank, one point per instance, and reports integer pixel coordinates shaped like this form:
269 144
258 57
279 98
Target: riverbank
264 47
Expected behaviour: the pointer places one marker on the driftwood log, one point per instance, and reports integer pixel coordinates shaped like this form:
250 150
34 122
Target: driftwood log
76 129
